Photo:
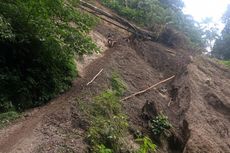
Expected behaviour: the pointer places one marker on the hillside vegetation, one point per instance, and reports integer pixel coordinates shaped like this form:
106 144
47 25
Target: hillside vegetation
38 42
165 18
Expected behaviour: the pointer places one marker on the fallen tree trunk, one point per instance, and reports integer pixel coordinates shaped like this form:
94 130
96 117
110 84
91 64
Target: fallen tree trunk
132 28
107 20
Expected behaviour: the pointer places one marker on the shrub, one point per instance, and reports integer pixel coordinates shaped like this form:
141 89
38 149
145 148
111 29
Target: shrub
132 14
117 84
226 63
108 124
146 145
5 118
106 104
107 131
159 125
103 149
38 40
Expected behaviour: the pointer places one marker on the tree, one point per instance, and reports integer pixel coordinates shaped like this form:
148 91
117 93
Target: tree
37 48
210 32
175 4
158 16
221 48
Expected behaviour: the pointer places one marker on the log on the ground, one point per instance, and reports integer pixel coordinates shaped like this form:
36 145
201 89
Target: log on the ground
133 28
147 89
94 77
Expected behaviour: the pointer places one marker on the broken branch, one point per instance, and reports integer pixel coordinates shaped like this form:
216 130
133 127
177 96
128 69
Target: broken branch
147 89
94 77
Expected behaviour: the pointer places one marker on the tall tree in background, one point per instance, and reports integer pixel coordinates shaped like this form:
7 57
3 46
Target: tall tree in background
175 4
221 48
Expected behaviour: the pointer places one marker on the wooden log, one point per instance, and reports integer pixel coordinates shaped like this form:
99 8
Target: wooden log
147 89
107 20
134 29
94 77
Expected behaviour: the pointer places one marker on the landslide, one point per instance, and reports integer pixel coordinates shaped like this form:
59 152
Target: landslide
196 101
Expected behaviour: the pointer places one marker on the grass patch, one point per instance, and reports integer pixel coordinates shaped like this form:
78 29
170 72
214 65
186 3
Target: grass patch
6 118
108 124
117 84
226 63
146 145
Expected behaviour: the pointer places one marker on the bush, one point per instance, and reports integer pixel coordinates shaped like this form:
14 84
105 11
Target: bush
38 41
103 149
159 125
146 145
132 14
108 124
226 63
107 131
5 118
118 86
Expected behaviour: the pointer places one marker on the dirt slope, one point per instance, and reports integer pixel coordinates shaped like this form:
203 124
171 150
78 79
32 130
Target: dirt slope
197 101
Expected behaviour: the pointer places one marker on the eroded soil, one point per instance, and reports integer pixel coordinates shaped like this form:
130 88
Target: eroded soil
197 101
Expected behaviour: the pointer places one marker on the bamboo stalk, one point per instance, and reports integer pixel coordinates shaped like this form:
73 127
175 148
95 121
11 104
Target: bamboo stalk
94 77
147 89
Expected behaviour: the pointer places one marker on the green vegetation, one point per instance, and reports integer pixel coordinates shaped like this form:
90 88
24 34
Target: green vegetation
5 118
117 84
38 41
160 125
103 149
221 49
108 126
147 145
226 63
158 16
107 122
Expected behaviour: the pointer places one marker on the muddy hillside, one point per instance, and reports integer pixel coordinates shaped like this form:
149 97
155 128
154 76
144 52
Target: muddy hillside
196 100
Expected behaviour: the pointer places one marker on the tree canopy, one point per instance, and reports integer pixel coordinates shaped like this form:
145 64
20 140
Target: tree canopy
159 14
221 48
38 41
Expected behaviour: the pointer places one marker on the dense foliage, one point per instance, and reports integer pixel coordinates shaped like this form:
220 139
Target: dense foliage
160 124
146 146
221 48
38 41
158 15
